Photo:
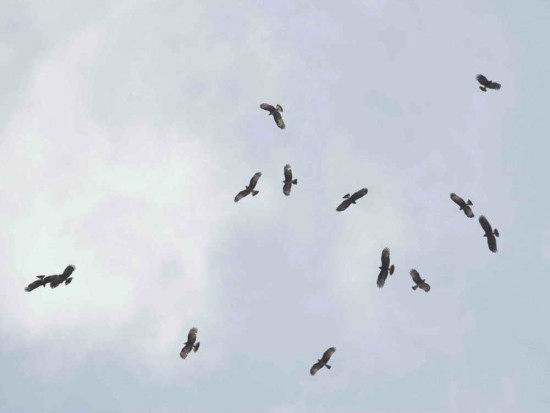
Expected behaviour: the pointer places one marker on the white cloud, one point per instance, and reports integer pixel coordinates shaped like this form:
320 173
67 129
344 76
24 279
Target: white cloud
116 203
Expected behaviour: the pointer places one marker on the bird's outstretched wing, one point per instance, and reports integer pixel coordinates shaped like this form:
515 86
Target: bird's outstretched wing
385 258
482 80
492 243
37 283
359 194
485 225
254 180
268 107
286 188
192 336
288 180
242 194
279 119
185 351
424 286
328 354
457 200
416 277
315 368
468 211
68 271
344 205
494 85
382 277
288 173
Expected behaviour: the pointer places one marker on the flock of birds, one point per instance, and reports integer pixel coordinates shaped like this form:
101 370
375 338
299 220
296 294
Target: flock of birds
191 345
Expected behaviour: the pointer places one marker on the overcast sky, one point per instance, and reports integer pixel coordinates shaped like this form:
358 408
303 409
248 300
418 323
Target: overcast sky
125 132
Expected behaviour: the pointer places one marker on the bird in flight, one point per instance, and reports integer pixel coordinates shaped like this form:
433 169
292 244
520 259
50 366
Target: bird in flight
348 200
54 280
487 84
190 344
490 233
385 268
249 188
420 283
276 113
464 206
288 182
322 362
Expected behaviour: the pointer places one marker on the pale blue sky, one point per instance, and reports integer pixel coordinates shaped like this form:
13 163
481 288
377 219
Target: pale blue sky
126 131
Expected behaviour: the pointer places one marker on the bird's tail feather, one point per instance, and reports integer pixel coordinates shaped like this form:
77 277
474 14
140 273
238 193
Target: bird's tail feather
469 202
415 287
483 89
328 367
295 182
68 281
346 196
196 347
254 193
392 269
40 276
495 231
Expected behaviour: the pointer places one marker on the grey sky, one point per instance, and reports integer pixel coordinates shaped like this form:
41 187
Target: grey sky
126 131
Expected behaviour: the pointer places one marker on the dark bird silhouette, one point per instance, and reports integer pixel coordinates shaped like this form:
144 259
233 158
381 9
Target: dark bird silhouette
464 206
288 182
490 233
54 280
250 187
348 200
275 112
385 268
420 283
323 361
63 278
190 344
487 84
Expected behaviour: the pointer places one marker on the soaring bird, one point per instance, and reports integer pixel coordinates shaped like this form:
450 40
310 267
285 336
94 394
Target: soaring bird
249 188
464 206
276 112
54 280
323 361
190 344
490 233
420 283
288 182
385 268
348 200
63 278
487 84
